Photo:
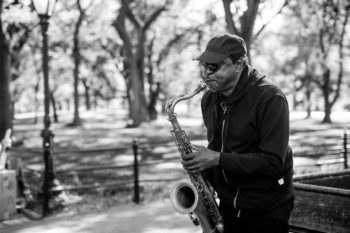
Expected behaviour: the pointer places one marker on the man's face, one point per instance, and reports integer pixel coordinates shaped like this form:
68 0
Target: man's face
221 77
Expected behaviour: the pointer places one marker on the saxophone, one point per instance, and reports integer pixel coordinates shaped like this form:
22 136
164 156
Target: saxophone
197 199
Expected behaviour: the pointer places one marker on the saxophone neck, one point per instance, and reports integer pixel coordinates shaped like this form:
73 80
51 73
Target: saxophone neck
172 103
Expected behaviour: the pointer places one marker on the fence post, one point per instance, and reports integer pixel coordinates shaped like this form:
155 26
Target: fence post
345 152
136 172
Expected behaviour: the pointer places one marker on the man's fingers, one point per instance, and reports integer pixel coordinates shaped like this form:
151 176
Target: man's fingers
191 156
195 147
186 157
188 162
192 168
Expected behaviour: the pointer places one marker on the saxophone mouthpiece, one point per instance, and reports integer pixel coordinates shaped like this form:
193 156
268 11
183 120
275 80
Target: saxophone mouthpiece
202 85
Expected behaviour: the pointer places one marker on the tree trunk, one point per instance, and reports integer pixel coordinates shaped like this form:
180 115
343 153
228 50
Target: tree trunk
247 21
153 102
77 61
154 88
244 28
327 114
76 56
87 94
308 91
53 102
326 91
138 106
308 104
331 21
134 54
294 94
5 98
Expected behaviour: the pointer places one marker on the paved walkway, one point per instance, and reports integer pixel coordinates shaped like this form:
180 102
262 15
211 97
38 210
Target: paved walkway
156 217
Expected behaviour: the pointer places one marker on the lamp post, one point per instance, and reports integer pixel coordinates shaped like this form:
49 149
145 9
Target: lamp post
51 184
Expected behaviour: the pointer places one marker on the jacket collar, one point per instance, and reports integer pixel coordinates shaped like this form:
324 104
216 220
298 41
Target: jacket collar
249 78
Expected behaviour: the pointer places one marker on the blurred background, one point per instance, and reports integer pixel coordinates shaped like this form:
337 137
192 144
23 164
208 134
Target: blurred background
131 56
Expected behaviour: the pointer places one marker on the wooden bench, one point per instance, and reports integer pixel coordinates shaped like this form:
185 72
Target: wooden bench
322 203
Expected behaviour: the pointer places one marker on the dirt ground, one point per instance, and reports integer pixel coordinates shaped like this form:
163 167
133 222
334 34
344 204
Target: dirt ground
155 217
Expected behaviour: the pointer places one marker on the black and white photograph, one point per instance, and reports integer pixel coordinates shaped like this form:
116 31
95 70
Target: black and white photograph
174 116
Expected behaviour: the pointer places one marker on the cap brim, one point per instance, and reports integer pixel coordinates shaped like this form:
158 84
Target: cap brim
210 57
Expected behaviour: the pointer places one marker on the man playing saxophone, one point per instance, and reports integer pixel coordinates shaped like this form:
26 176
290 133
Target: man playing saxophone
248 161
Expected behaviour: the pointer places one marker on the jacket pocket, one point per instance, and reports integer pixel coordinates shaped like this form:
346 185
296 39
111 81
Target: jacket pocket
258 197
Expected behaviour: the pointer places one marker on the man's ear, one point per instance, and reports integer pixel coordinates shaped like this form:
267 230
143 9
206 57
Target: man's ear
239 65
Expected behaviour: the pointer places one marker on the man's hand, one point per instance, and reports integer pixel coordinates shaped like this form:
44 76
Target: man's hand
201 159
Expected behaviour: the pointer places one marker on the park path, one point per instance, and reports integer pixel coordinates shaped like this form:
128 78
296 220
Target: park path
155 217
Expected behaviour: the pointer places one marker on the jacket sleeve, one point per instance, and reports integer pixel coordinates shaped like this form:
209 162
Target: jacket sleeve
268 160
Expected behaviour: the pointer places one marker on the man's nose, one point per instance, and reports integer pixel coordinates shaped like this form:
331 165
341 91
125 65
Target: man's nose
208 72
208 76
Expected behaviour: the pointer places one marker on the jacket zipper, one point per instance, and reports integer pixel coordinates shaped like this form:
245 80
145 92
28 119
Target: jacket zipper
224 108
235 199
222 135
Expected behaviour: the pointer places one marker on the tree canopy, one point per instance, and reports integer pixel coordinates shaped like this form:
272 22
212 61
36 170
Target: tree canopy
138 53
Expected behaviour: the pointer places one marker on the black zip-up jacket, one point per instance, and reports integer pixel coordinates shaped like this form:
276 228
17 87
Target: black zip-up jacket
255 167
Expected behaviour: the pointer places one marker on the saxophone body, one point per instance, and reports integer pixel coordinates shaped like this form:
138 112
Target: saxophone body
197 199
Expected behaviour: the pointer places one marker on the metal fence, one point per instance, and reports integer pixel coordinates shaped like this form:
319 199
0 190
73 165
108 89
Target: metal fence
334 155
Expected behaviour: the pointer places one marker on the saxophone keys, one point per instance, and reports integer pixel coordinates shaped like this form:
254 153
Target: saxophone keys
194 219
200 188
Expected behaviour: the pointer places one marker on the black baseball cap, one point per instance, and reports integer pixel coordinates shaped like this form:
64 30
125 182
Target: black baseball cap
222 46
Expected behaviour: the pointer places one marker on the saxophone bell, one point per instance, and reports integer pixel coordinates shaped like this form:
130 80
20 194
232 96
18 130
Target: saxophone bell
184 197
186 200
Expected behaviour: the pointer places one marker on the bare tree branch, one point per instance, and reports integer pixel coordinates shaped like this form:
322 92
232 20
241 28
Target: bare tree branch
286 2
231 27
153 17
119 24
81 9
135 20
178 37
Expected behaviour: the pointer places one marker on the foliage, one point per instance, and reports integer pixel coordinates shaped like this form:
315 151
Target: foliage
324 39
284 44
299 63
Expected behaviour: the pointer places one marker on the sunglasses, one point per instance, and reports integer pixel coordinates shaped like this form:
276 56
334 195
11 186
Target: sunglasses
210 68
